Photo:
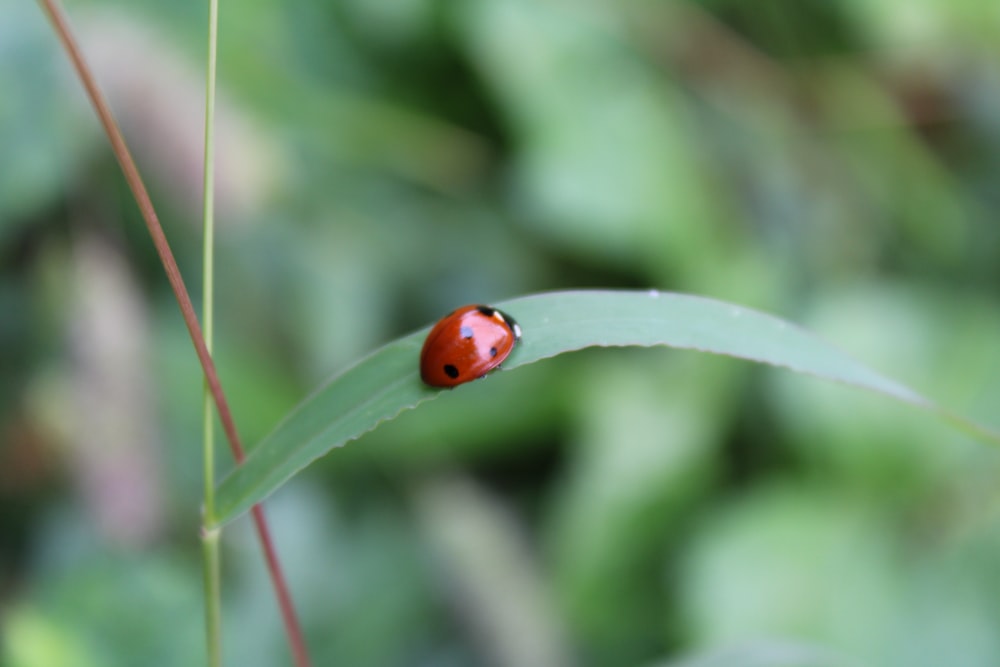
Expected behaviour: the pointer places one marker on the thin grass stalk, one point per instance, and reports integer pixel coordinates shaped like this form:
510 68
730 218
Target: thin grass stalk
61 26
210 539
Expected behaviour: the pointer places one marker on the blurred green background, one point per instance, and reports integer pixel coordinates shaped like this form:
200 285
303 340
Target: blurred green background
383 161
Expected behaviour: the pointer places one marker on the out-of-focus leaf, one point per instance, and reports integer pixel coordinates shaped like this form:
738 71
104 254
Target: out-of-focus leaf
791 561
767 654
377 606
494 573
387 382
44 133
826 566
82 612
605 159
935 339
33 640
645 448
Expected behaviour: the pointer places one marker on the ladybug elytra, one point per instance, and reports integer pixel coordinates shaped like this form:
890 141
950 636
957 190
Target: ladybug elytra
466 345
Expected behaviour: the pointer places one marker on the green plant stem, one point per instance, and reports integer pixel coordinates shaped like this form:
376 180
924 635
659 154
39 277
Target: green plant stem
211 568
210 538
61 27
208 254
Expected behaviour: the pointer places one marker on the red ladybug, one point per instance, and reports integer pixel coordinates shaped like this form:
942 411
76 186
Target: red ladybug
466 345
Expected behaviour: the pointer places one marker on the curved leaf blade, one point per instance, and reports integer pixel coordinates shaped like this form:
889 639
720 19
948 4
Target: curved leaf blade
387 382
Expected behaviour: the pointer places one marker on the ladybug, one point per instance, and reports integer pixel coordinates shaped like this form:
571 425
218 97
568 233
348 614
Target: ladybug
467 344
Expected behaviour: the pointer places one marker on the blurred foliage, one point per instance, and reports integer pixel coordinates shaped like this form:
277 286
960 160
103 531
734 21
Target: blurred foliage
381 161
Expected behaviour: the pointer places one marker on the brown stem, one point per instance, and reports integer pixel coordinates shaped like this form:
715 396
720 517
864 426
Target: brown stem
61 26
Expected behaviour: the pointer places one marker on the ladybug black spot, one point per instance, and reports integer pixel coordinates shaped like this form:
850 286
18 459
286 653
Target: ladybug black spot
450 371
493 352
465 331
486 310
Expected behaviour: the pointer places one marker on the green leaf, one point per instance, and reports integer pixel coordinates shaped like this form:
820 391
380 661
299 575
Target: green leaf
387 382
